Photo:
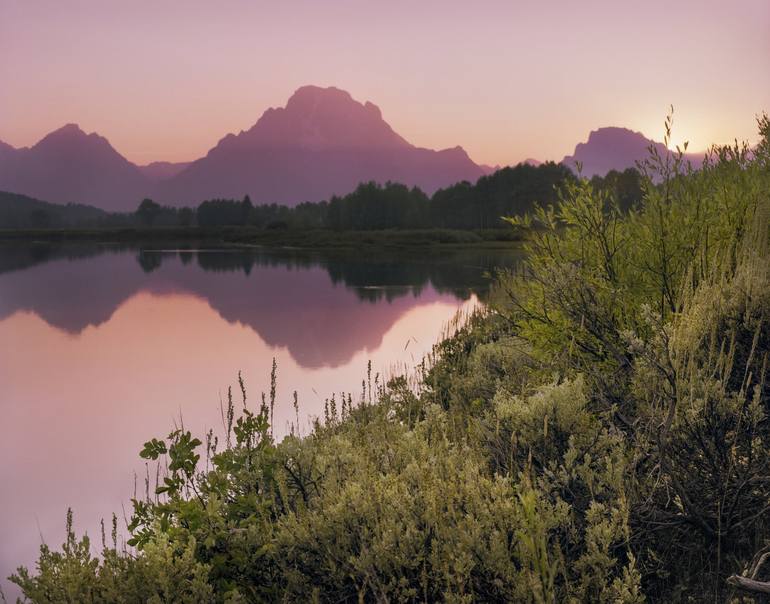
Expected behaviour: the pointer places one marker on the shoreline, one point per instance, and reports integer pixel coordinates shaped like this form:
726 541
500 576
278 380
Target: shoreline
288 239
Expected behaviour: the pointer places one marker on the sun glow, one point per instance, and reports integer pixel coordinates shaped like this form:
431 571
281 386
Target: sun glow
681 143
685 135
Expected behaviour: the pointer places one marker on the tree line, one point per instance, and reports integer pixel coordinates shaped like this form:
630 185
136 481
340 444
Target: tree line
510 191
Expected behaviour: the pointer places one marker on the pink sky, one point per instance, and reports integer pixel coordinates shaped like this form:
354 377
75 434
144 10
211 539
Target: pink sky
506 80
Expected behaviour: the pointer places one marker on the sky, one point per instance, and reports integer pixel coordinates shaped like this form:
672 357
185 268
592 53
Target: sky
506 80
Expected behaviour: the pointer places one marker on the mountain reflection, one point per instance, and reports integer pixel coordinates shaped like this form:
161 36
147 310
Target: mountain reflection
322 307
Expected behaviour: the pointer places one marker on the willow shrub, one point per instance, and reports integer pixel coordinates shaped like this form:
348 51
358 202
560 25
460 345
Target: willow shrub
600 435
664 313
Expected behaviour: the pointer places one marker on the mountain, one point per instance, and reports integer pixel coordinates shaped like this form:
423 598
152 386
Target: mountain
161 170
69 165
613 148
322 143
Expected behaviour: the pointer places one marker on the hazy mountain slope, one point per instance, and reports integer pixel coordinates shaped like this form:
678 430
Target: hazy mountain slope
69 165
161 170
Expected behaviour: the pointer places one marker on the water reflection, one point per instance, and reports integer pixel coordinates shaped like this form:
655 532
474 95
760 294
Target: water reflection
309 303
104 347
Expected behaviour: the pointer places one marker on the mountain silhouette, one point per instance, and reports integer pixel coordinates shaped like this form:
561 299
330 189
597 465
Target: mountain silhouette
69 165
322 143
613 148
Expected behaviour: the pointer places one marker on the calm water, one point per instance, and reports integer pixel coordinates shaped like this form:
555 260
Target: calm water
103 347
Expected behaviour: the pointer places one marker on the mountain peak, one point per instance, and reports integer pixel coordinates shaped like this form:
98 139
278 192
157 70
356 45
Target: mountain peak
618 136
307 96
71 128
69 165
611 148
317 118
71 134
323 142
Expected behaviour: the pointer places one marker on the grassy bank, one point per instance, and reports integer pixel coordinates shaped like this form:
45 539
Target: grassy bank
599 434
321 238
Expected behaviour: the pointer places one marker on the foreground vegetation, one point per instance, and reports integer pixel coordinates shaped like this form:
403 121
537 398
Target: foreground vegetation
600 434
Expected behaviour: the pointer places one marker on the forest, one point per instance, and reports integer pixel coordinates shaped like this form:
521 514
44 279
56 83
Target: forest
598 433
510 191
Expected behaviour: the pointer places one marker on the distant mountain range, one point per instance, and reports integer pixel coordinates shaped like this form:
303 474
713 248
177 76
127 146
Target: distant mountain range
322 143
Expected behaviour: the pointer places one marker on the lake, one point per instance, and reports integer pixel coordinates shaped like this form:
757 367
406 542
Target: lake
103 347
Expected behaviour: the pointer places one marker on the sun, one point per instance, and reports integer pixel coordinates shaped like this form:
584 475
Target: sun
686 133
682 143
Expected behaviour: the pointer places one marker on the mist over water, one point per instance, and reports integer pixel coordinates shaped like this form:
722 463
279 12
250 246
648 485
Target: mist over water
104 347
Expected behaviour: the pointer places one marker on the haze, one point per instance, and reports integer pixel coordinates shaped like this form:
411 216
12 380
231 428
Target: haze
506 80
